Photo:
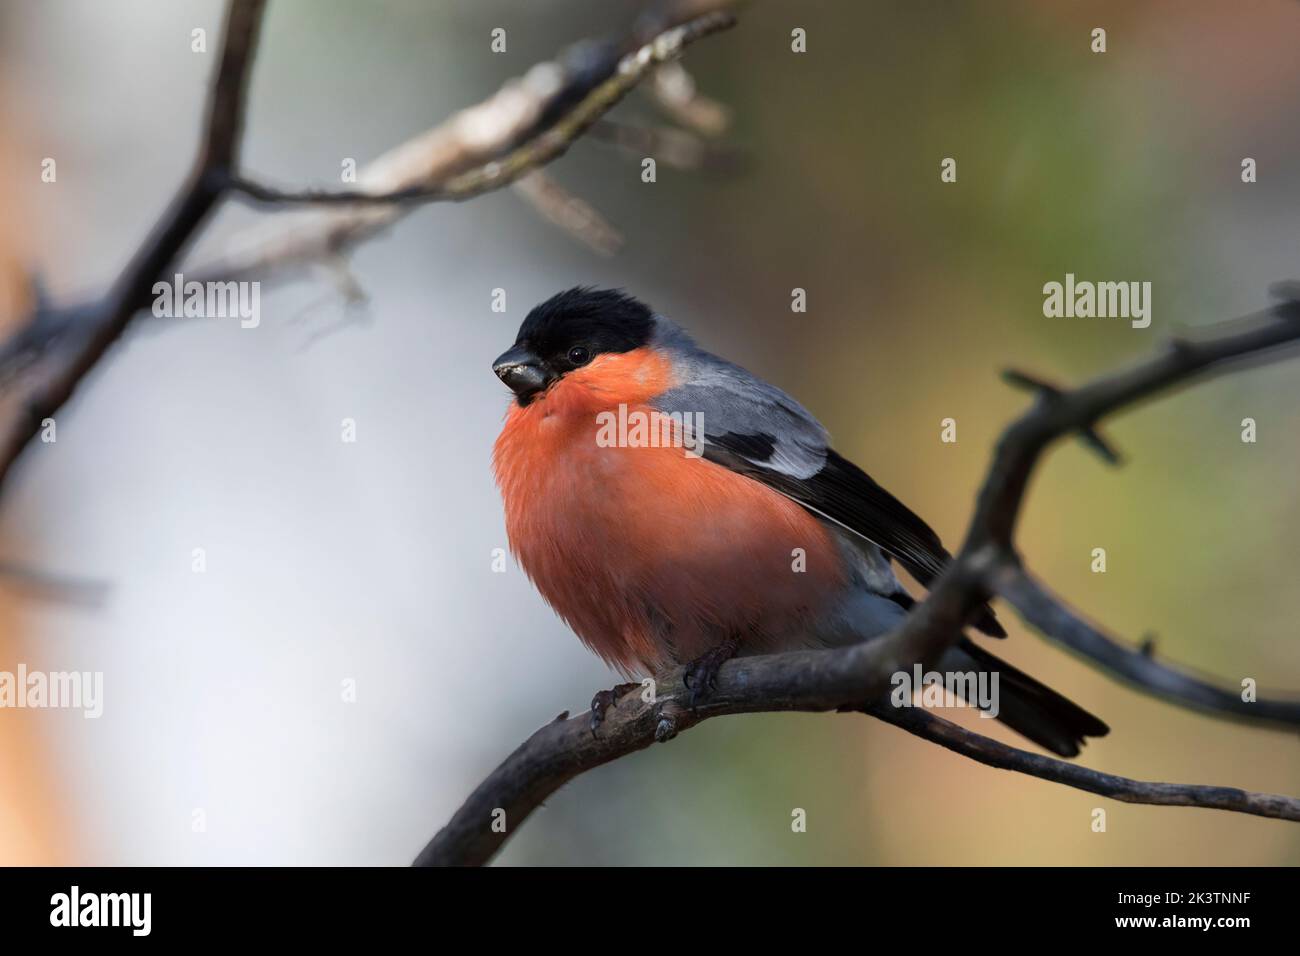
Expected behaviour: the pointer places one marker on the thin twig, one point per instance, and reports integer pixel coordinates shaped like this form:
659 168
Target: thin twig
568 212
678 148
218 155
995 754
1137 666
471 139
539 151
674 91
1066 412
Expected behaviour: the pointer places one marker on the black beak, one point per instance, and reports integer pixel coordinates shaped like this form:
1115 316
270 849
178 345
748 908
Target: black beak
523 372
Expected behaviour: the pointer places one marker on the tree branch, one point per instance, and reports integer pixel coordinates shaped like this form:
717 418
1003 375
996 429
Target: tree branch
568 212
808 681
1052 618
459 155
108 319
994 754
797 681
1058 413
539 151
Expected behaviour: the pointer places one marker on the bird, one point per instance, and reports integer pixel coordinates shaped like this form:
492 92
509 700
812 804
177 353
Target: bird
736 529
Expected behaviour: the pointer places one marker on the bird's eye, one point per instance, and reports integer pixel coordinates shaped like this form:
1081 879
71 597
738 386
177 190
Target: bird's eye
579 355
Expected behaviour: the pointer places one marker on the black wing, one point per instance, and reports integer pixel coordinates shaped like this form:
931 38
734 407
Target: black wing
845 494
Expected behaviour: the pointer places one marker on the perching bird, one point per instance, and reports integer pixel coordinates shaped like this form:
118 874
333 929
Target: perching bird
658 556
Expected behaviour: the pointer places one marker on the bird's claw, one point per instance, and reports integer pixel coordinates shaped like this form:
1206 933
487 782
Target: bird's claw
604 700
701 674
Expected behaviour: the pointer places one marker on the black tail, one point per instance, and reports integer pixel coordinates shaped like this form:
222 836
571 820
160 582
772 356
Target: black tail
1026 706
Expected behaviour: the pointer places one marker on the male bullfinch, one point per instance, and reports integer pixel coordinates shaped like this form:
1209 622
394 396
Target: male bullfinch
761 539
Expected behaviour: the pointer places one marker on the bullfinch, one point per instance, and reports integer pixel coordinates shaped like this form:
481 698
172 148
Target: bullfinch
675 509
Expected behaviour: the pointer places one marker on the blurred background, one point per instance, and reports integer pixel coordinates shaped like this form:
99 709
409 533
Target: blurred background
226 736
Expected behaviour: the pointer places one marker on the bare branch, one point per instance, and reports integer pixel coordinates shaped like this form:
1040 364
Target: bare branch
1089 435
675 92
798 681
811 681
52 586
1259 337
539 151
673 147
987 751
472 139
109 319
1137 666
1060 413
568 212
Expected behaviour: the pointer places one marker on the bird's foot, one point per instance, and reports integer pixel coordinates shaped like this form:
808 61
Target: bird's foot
701 675
605 700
